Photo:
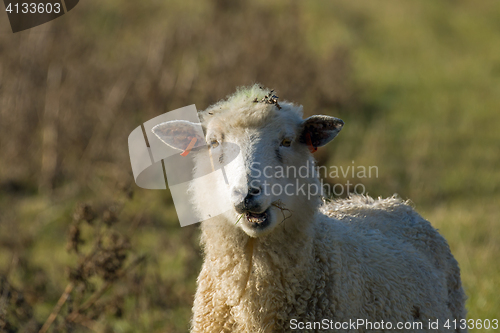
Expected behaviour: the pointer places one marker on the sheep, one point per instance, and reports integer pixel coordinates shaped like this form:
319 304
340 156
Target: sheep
277 262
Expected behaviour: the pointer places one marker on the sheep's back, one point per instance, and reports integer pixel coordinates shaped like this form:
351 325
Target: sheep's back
395 219
393 227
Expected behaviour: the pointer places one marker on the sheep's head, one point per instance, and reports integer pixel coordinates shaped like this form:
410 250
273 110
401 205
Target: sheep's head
264 149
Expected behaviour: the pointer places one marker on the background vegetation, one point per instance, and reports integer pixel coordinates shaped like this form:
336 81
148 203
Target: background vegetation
417 84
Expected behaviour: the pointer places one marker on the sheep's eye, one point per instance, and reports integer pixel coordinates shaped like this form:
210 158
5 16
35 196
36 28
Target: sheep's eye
286 143
214 143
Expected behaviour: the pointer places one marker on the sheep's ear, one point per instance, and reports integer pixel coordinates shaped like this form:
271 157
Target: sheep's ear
317 131
179 134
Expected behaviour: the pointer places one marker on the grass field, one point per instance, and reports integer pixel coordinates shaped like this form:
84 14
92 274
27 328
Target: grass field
417 84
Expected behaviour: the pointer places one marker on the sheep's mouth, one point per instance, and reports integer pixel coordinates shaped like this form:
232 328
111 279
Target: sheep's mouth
258 221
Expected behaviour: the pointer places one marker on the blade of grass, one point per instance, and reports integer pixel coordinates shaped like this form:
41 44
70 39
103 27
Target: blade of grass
239 219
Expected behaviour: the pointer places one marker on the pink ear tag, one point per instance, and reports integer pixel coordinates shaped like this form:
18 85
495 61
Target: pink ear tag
312 149
189 147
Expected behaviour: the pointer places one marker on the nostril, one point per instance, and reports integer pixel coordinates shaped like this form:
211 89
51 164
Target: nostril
254 191
243 203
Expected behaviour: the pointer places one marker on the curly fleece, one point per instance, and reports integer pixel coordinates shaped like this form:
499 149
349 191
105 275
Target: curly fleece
357 258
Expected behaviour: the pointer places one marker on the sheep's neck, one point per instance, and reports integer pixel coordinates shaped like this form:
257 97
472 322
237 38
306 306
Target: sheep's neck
247 263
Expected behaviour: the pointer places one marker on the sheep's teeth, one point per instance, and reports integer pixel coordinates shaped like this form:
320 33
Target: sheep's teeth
256 218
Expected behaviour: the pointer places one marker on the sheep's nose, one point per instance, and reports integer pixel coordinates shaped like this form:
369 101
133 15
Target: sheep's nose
245 203
254 191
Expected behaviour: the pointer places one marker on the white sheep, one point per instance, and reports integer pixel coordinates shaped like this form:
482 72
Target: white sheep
276 262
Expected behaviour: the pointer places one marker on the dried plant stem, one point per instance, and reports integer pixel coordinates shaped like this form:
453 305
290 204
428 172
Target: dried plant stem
249 252
86 322
92 299
281 206
57 308
95 296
